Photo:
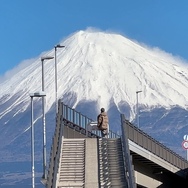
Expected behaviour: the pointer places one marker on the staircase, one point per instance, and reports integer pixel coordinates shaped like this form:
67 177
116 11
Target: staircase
111 164
91 163
71 171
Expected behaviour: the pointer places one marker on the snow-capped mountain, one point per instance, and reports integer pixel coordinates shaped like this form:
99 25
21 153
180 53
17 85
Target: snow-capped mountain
96 69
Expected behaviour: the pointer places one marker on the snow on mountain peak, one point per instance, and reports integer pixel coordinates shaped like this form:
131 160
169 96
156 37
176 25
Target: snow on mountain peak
101 67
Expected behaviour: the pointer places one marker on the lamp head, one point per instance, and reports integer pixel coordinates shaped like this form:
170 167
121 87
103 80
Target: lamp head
138 91
59 46
38 94
46 58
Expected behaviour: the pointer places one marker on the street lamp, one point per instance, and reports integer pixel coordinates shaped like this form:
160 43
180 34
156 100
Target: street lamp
44 123
137 113
42 60
57 46
38 94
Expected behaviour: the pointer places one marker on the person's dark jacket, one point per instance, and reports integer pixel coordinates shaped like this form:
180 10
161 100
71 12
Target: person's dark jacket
102 121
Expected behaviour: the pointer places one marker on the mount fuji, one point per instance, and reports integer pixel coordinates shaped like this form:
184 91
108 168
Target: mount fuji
95 69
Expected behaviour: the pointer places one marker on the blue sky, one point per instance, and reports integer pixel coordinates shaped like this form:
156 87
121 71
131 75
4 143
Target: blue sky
27 28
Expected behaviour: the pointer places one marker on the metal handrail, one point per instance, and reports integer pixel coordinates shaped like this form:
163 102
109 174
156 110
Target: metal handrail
164 152
81 120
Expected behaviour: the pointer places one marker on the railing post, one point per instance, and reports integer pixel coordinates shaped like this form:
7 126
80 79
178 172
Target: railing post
127 156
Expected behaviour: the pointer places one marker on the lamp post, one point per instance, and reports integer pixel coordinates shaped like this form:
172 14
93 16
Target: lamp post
56 103
137 113
38 94
44 123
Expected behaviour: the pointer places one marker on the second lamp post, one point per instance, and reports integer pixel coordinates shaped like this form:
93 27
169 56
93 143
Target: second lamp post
56 103
38 94
44 123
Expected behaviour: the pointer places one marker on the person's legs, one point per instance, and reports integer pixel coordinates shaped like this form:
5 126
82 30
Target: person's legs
104 133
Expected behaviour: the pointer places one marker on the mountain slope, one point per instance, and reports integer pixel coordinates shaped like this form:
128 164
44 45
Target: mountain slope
95 69
105 66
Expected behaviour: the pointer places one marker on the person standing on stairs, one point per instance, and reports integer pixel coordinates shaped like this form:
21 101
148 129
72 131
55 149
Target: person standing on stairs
102 123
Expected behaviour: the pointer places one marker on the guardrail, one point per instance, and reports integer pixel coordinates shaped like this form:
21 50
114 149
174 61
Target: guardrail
144 140
77 119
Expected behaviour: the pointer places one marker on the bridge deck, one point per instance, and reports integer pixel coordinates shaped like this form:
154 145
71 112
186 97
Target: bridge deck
80 158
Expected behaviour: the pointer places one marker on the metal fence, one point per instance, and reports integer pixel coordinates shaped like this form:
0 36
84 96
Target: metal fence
144 140
78 119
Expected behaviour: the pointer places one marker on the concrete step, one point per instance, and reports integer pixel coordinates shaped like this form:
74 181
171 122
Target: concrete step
112 170
72 164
